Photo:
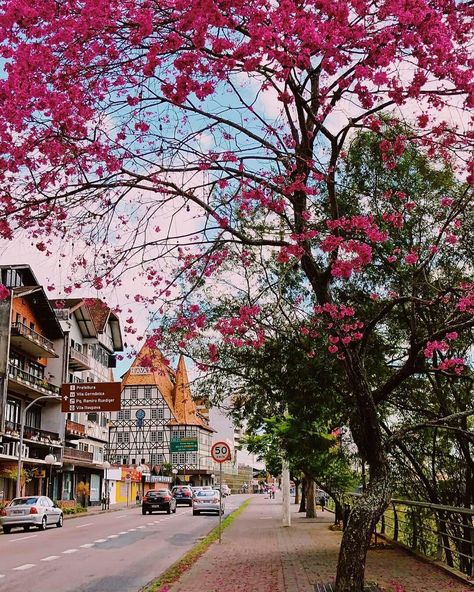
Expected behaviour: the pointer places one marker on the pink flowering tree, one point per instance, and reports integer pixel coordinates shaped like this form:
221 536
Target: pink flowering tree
190 140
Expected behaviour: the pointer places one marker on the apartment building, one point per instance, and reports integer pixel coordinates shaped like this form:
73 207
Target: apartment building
92 337
30 338
158 417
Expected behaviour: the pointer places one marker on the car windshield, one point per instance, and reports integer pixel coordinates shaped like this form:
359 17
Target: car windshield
24 501
207 493
157 492
181 489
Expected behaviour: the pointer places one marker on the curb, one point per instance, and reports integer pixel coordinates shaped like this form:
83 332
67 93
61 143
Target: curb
91 514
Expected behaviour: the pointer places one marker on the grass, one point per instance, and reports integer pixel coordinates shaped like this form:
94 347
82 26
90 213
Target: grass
174 572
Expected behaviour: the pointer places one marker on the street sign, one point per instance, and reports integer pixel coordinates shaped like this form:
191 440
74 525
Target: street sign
184 445
90 397
220 452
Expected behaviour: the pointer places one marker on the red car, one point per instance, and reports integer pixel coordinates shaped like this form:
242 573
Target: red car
183 494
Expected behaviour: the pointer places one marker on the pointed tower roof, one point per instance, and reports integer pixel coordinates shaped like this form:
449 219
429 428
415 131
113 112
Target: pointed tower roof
150 368
185 408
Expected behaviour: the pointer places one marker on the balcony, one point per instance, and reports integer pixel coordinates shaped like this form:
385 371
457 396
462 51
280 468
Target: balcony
75 429
28 384
30 434
73 454
31 342
78 361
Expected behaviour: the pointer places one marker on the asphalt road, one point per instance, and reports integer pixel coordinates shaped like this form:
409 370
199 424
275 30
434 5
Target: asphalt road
116 552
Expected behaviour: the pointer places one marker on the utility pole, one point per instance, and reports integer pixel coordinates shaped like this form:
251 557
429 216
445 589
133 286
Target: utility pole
285 485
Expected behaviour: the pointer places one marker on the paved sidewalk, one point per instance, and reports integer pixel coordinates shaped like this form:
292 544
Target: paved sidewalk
93 510
257 554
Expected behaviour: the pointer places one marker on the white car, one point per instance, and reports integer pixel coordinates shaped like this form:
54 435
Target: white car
208 500
35 510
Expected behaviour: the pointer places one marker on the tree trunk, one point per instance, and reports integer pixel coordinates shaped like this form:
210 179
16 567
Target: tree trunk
356 538
302 507
310 501
297 491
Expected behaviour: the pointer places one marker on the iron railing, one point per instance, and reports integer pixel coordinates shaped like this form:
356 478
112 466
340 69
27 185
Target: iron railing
25 331
39 384
442 533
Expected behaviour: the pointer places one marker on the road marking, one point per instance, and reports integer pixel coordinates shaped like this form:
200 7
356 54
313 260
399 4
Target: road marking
141 526
123 532
150 523
24 538
118 517
100 541
87 546
69 551
25 566
2 575
50 558
131 529
113 536
83 525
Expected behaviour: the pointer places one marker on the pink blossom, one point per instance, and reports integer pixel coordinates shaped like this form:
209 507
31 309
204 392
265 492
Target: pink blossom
4 292
411 258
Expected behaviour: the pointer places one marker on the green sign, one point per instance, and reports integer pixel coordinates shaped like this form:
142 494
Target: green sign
184 445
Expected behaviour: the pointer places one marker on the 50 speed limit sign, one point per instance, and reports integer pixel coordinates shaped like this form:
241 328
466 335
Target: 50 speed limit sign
220 452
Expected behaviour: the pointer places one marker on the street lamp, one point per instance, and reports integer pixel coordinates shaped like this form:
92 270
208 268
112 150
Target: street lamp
144 470
22 433
49 459
175 472
106 467
212 479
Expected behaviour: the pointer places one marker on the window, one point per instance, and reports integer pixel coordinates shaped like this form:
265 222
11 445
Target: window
157 458
178 458
13 411
147 392
156 437
33 417
123 437
134 392
158 413
192 458
124 414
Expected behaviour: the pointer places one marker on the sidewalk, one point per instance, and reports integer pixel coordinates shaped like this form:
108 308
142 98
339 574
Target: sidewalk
257 554
93 510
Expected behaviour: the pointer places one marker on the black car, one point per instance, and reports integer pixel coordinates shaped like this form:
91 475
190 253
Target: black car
158 499
183 494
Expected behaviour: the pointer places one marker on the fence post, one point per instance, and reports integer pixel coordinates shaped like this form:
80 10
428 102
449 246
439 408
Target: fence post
414 527
395 522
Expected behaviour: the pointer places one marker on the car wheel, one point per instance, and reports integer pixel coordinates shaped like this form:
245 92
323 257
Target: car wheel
168 511
6 529
59 523
26 528
44 523
195 513
174 511
143 511
190 504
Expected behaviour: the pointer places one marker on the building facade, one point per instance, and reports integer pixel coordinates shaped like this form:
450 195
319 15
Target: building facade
92 336
158 415
30 338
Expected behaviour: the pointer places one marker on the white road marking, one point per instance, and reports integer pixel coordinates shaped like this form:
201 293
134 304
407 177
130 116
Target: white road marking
100 541
150 523
141 526
23 538
131 529
23 567
50 558
69 551
113 536
2 575
87 546
118 517
123 532
83 525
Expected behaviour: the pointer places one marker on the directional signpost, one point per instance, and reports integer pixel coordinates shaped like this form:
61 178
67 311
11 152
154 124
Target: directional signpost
220 453
90 397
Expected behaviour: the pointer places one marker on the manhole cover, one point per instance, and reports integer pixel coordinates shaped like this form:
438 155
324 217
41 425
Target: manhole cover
330 588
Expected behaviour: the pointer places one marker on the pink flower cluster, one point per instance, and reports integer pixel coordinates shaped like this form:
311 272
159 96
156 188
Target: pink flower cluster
4 292
241 330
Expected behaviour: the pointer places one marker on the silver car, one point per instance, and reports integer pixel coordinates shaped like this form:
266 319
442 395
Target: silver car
207 500
36 510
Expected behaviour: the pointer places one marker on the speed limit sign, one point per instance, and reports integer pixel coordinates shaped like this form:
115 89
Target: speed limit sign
220 452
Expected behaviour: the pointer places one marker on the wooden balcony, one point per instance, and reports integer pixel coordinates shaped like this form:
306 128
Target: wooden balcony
29 384
75 429
78 361
73 454
32 434
31 342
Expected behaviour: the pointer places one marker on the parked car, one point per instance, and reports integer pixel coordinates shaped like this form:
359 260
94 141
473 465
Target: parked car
207 500
196 489
37 510
158 499
183 494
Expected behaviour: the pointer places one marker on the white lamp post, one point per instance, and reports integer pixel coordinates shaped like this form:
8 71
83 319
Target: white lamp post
175 472
212 479
106 467
49 460
143 470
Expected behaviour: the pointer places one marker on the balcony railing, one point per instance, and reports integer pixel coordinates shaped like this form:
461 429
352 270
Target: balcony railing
34 434
32 381
74 428
75 454
20 329
78 360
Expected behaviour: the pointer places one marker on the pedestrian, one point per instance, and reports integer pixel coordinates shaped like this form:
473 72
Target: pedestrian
137 499
322 501
273 491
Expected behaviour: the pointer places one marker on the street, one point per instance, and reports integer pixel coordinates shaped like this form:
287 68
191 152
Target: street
114 552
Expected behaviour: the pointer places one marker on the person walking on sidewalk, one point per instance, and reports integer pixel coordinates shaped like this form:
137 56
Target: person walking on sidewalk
273 491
